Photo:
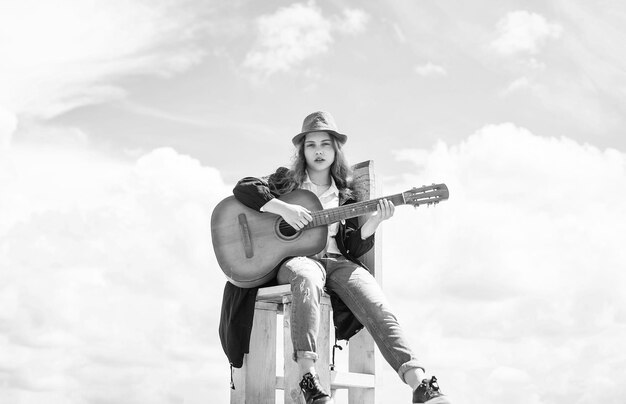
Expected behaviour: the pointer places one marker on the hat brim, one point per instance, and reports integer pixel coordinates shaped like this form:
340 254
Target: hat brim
341 138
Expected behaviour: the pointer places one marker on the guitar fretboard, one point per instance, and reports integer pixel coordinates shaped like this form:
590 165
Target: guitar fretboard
332 215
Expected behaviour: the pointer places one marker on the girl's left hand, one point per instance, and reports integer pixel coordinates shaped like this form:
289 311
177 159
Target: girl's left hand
384 211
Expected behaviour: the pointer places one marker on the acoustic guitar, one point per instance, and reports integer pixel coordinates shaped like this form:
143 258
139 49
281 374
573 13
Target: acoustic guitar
249 244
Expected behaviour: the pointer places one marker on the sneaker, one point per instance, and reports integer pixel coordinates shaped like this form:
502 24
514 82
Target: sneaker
313 391
428 392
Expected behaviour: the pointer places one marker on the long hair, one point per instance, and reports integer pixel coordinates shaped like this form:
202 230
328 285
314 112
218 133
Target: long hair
339 170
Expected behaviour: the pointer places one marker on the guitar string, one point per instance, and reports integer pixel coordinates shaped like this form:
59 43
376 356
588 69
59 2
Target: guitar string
332 215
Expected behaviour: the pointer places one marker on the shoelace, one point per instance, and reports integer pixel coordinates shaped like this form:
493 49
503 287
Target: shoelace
309 382
433 383
430 387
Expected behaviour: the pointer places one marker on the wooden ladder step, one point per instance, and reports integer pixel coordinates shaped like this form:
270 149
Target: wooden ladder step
341 380
273 293
344 380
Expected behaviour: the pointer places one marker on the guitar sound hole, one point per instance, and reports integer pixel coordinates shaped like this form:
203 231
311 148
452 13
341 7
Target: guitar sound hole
285 231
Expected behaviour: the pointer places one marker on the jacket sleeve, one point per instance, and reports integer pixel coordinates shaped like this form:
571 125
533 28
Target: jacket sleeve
355 245
253 192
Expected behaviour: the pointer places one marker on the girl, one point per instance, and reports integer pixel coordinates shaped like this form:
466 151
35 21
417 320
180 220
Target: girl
321 168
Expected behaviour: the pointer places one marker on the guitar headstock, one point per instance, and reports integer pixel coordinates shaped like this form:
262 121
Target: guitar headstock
426 195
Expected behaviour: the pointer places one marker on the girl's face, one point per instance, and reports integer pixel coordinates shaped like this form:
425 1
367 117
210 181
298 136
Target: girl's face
319 151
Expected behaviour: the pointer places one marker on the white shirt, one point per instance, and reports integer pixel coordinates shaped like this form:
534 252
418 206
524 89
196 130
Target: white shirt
329 199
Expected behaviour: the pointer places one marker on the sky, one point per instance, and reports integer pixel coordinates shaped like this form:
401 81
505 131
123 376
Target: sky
123 123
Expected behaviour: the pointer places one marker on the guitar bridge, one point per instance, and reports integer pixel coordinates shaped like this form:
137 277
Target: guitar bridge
245 235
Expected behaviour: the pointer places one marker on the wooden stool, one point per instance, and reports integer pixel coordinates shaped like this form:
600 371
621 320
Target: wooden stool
257 380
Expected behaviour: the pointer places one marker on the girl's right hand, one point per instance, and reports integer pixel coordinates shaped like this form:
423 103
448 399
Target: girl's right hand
295 215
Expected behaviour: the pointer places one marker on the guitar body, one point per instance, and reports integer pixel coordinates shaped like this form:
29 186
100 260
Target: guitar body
249 244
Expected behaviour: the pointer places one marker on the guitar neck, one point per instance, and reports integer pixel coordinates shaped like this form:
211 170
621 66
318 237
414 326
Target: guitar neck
332 215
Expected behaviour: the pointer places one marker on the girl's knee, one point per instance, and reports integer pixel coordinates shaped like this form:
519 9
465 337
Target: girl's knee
307 277
306 268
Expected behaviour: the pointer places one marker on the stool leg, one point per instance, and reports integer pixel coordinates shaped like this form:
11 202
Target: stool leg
291 371
258 375
362 358
324 344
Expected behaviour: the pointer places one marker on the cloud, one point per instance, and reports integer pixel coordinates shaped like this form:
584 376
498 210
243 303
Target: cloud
109 291
63 54
297 33
429 69
8 124
523 32
592 92
521 267
399 33
353 21
108 287
518 84
524 84
583 78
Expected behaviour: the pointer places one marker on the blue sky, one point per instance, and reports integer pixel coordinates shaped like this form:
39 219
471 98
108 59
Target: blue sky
123 123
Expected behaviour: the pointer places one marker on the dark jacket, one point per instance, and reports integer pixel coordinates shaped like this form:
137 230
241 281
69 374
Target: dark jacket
238 303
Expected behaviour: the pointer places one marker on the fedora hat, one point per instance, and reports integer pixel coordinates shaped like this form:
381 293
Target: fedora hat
320 121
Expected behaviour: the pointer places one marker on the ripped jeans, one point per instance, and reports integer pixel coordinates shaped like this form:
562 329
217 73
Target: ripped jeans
358 289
